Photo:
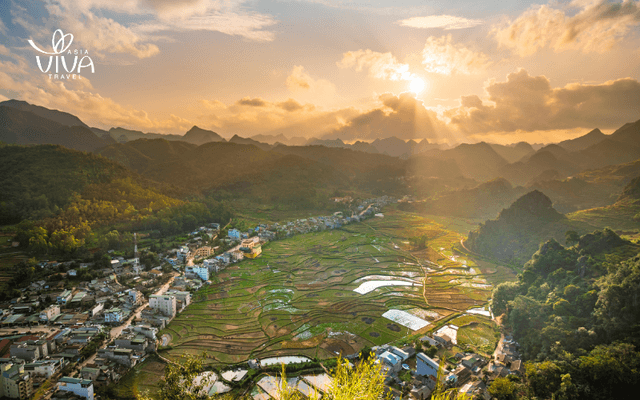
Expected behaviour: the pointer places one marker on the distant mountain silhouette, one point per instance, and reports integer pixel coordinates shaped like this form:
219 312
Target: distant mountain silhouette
629 133
271 139
484 200
609 152
478 161
24 127
60 117
582 142
513 153
551 157
240 140
200 136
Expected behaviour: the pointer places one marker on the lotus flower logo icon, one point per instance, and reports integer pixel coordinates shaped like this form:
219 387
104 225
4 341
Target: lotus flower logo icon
61 43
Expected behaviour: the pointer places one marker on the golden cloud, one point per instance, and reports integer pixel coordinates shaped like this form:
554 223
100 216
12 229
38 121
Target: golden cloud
529 103
442 56
379 65
596 27
446 22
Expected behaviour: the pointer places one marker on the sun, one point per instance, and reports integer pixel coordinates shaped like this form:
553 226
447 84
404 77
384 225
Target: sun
416 85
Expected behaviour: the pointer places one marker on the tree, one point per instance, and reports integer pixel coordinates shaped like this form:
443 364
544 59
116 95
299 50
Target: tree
502 389
571 238
180 380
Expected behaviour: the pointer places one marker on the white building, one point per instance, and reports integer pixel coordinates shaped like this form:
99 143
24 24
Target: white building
166 304
50 312
81 387
45 368
182 296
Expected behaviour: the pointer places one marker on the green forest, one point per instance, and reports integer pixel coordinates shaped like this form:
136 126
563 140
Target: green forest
575 312
64 201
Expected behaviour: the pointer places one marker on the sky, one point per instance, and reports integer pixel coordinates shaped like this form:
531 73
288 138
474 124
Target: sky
448 71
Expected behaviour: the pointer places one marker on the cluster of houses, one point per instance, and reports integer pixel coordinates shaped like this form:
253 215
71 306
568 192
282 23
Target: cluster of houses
202 261
64 321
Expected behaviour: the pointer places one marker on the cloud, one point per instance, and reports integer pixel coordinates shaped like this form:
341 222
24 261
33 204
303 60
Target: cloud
305 87
529 103
249 26
291 105
380 65
446 22
441 56
289 117
299 79
248 101
596 27
145 18
402 116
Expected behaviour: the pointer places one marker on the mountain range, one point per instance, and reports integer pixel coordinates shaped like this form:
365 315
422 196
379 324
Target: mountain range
440 174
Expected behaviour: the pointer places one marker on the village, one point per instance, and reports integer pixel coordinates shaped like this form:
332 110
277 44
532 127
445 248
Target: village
65 342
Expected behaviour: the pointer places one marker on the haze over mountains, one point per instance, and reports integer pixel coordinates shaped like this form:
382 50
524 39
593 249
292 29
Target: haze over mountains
480 178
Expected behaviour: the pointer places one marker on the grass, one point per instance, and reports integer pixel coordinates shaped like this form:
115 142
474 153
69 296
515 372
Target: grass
298 298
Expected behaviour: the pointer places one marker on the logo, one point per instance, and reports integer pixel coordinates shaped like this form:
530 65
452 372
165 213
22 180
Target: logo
63 63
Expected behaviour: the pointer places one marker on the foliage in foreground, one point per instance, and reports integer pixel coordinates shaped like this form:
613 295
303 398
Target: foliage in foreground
365 381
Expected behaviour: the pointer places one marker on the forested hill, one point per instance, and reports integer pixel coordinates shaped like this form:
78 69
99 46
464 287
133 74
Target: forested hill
37 181
60 196
576 315
517 232
293 175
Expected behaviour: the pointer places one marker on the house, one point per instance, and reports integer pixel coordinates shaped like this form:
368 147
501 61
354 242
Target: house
15 383
517 368
400 353
81 387
113 315
234 234
45 368
50 312
183 297
64 297
165 304
201 272
443 340
120 356
426 366
393 361
25 351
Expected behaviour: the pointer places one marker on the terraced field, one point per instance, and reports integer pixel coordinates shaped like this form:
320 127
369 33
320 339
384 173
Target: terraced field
299 298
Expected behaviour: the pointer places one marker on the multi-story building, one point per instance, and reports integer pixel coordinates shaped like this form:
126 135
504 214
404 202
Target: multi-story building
113 315
14 382
64 297
24 351
201 272
81 387
45 368
166 304
50 312
181 296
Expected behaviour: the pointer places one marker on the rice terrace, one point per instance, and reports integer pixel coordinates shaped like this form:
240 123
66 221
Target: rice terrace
324 294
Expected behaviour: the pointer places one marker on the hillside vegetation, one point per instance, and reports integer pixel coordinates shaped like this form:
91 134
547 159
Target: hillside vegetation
515 235
61 196
574 313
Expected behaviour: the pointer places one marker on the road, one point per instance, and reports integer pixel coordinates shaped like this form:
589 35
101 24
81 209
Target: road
115 331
